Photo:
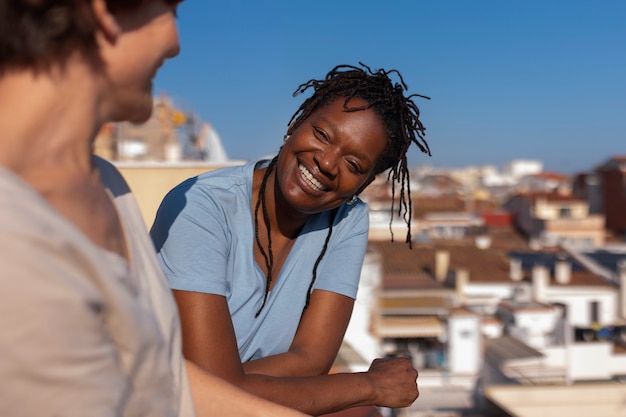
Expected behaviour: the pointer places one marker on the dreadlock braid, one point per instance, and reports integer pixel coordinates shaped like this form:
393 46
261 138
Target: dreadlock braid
399 114
319 258
269 255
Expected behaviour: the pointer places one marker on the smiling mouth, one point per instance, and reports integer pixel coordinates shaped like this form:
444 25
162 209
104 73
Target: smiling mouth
309 179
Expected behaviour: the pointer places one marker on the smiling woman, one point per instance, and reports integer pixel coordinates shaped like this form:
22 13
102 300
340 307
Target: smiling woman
264 259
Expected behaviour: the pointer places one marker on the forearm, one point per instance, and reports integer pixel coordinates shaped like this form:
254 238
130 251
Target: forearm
389 382
317 340
287 364
313 395
213 396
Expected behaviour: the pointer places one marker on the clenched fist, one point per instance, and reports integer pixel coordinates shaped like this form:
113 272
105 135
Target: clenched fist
394 381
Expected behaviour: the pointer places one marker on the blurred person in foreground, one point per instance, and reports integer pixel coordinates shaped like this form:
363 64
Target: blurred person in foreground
89 325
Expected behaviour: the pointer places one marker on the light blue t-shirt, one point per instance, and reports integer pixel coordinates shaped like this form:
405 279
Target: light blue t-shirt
204 235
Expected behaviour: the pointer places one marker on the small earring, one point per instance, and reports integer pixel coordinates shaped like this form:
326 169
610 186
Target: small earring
352 200
286 138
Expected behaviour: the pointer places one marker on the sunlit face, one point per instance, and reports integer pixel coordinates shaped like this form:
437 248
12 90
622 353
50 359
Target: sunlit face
149 37
330 156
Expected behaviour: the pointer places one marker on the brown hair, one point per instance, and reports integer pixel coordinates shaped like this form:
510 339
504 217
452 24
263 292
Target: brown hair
38 33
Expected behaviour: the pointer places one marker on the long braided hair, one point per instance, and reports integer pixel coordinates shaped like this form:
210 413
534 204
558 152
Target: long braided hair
400 117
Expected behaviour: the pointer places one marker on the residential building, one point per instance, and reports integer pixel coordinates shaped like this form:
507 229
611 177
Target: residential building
519 168
565 335
422 302
588 187
544 182
613 179
478 322
548 219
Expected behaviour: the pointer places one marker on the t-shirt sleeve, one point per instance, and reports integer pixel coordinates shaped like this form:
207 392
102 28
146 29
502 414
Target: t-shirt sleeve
340 268
190 233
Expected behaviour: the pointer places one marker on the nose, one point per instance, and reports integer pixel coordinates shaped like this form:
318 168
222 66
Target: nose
326 161
175 49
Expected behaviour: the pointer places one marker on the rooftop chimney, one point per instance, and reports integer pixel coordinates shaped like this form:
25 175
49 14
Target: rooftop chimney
442 263
562 271
461 280
483 241
541 280
515 269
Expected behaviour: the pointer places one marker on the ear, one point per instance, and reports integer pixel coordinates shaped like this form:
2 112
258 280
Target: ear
107 22
290 128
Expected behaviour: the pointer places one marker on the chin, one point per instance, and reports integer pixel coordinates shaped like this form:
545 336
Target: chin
135 113
140 117
133 105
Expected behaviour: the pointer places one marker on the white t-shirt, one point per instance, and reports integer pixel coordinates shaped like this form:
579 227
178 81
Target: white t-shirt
83 332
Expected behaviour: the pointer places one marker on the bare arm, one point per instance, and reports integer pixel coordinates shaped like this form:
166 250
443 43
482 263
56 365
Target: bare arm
317 340
213 396
209 341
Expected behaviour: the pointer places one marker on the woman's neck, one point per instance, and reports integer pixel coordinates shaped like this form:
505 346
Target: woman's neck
282 217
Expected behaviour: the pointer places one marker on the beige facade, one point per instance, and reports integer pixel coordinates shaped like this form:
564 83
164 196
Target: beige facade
550 218
151 181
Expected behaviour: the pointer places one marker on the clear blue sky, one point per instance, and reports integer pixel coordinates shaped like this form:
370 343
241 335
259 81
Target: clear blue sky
536 79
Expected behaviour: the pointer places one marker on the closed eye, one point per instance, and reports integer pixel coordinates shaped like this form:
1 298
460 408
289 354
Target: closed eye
354 167
321 135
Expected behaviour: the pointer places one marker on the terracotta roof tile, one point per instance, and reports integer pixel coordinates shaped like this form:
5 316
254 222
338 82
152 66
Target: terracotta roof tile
405 268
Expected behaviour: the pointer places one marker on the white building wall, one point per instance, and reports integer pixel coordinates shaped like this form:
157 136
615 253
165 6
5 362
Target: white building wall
357 334
520 167
555 357
379 224
579 305
589 361
536 327
464 345
502 291
537 322
618 364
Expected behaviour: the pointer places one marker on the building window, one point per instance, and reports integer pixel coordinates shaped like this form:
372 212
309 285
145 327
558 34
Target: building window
565 212
595 312
466 334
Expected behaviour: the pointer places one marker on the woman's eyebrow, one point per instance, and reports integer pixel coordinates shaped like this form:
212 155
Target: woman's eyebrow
330 127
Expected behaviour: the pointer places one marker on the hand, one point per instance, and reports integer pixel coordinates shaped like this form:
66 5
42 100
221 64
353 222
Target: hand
394 381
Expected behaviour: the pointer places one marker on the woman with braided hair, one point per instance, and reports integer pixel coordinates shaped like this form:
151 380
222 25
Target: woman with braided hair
264 259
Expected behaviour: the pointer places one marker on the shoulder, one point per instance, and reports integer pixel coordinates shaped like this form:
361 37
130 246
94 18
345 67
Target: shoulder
351 214
213 198
219 181
348 221
111 177
24 210
31 229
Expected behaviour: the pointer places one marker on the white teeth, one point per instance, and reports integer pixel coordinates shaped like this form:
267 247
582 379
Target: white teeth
308 177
